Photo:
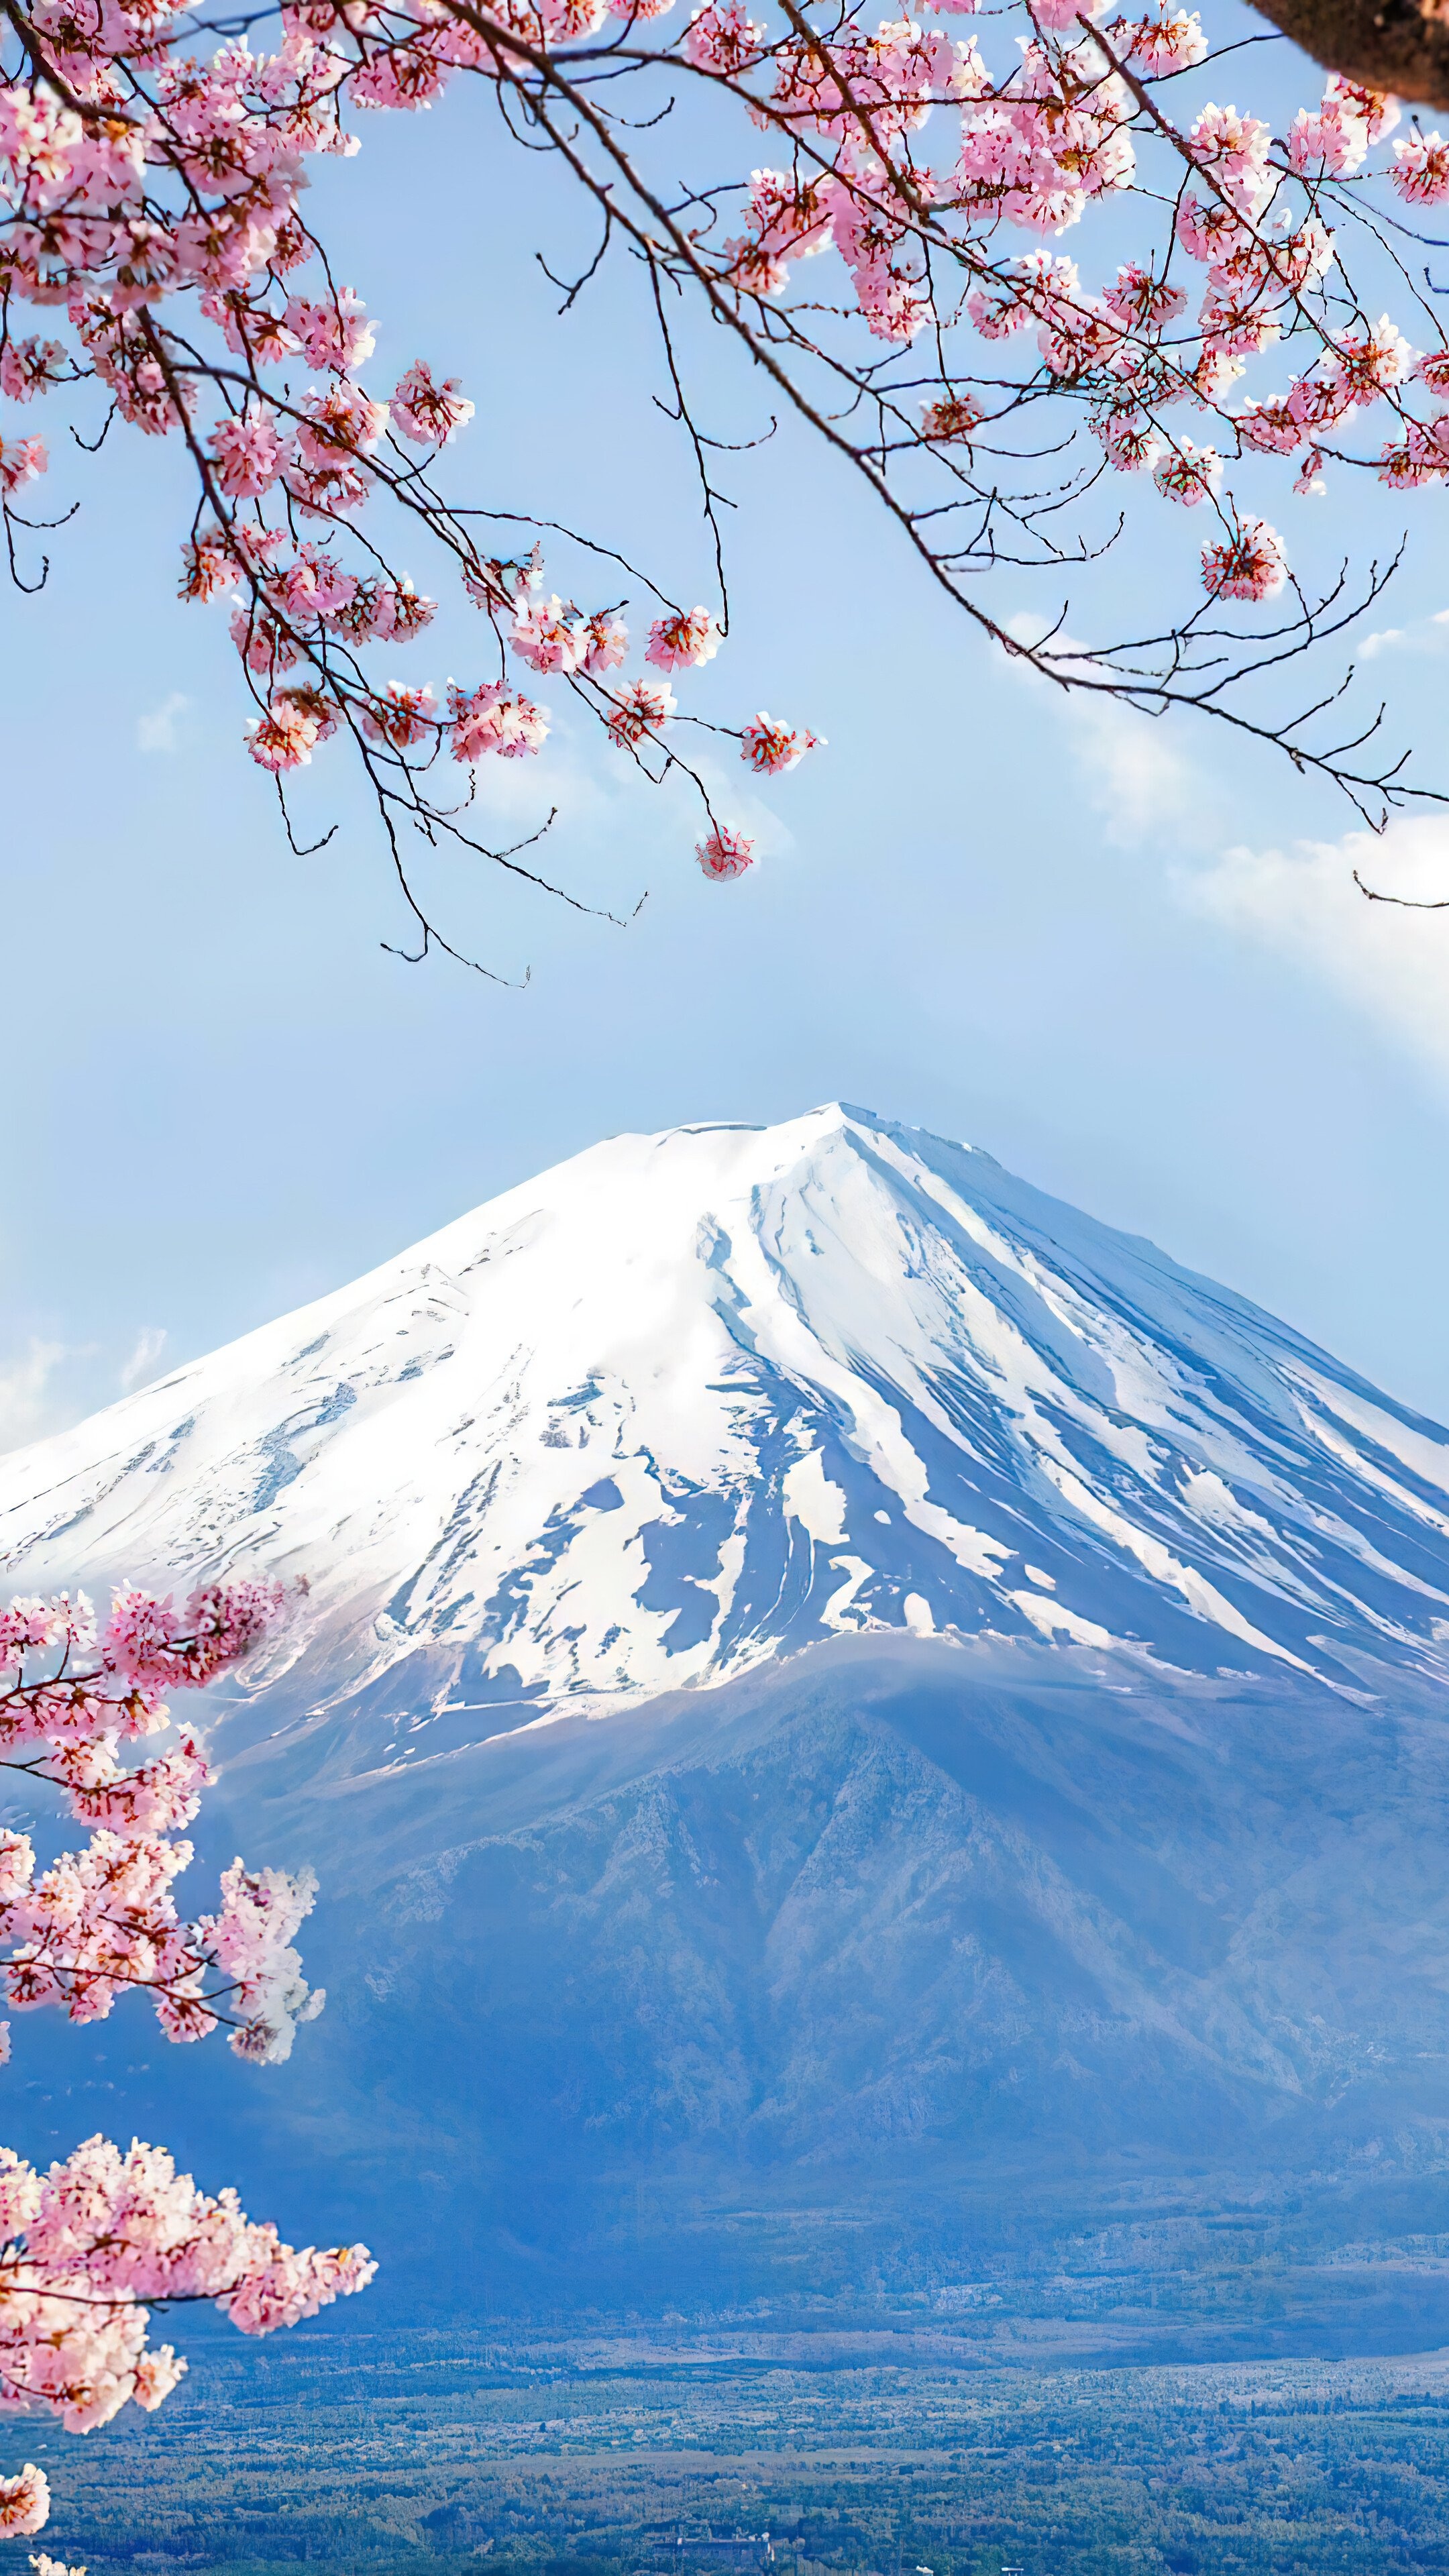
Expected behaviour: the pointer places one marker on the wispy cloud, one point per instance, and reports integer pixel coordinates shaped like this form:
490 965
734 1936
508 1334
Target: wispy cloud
1391 965
157 731
1136 778
150 1343
1426 635
1138 781
47 1385
27 1408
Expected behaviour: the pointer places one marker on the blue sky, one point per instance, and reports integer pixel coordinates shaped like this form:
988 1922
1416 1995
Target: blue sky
1127 959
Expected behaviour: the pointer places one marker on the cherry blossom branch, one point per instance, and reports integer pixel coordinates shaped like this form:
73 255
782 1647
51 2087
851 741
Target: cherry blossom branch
88 2249
140 183
1405 902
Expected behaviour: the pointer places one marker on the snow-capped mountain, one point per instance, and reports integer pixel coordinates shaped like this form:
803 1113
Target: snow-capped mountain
691 1400
1017 1841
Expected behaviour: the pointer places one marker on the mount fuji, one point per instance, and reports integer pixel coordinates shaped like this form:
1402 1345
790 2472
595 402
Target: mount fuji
866 1738
696 1400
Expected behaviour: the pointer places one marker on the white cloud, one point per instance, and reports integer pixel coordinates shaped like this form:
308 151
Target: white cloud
1138 782
1391 965
26 1406
1427 635
150 1343
157 731
1135 777
45 1386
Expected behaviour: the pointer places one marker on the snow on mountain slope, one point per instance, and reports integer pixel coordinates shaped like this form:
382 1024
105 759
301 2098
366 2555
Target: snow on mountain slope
691 1400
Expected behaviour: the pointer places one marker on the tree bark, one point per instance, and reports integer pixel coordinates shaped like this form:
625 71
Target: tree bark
1398 45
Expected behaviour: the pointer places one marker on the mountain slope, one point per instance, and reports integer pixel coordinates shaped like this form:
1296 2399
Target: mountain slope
1082 2000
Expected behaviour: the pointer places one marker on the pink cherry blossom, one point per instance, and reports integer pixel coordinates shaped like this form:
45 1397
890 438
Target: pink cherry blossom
428 413
326 489
155 212
773 748
287 735
89 2245
1321 401
547 635
250 452
724 38
1417 459
1235 149
645 705
1142 299
1376 111
102 1922
1421 169
30 367
24 2501
493 718
725 853
1369 363
313 585
951 417
398 613
262 641
1132 444
607 644
1166 41
248 1946
683 640
21 460
1334 139
1209 230
1188 474
401 717
1249 564
92 2243
1270 427
342 422
1064 13
335 334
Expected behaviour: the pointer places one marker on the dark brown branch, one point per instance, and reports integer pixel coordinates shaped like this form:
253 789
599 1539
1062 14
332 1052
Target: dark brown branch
1396 45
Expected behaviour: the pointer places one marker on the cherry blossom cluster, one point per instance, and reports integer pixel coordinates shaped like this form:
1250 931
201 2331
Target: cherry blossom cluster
103 1920
25 2505
152 180
138 175
89 2246
1037 148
